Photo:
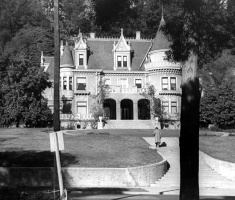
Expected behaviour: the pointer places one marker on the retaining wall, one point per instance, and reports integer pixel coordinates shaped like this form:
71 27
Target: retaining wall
84 177
224 168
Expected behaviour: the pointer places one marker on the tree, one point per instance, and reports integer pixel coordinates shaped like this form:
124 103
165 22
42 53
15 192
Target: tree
218 107
22 85
14 15
156 109
66 109
217 104
30 41
197 36
100 96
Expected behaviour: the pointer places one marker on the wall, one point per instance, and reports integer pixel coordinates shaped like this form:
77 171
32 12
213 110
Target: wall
224 168
84 177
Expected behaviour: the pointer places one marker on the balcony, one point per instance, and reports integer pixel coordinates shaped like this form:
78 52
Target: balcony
162 64
170 92
67 93
76 117
130 90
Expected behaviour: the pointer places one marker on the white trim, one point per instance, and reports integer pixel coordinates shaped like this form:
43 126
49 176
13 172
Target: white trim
118 81
169 82
86 82
139 79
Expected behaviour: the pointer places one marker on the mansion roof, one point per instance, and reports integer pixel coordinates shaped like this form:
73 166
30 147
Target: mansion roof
100 52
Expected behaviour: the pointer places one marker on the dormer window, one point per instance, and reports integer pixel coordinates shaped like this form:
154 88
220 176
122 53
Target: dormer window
81 58
119 61
122 54
124 61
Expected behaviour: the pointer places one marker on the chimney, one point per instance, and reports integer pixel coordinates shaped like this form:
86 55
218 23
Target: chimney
92 35
137 35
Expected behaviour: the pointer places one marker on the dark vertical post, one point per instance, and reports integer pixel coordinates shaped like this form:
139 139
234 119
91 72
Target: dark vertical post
56 67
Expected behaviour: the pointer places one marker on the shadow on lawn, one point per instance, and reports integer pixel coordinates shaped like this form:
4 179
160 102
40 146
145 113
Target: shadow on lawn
86 192
33 159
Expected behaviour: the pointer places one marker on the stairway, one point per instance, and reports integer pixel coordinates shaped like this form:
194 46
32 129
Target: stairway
129 124
208 178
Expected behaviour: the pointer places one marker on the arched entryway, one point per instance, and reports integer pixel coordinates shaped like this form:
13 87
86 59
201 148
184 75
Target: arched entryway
126 109
144 109
110 108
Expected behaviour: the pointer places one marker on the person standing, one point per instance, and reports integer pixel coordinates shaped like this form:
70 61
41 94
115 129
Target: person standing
157 135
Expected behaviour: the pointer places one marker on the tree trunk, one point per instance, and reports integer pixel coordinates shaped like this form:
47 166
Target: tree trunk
189 132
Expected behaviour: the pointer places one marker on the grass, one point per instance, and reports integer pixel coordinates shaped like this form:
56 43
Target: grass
31 148
222 148
131 132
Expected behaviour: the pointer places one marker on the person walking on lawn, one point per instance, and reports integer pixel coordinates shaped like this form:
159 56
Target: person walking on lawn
157 135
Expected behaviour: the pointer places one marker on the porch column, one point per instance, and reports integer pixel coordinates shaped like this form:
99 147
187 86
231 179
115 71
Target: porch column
118 110
135 110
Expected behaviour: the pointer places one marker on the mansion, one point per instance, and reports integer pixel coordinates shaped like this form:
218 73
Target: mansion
128 65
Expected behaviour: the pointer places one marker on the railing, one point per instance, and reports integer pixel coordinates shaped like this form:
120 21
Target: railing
130 90
76 116
155 65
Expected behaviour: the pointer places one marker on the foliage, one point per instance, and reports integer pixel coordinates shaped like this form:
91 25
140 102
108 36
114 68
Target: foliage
217 104
102 94
15 15
155 102
198 26
66 109
21 90
218 107
30 41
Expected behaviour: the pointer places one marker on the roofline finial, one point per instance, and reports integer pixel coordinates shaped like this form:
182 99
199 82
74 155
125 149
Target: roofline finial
121 31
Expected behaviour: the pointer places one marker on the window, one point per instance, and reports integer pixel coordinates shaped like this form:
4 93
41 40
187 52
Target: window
81 83
165 105
173 83
64 83
173 107
80 59
123 82
82 107
70 83
119 61
165 83
138 83
124 61
108 81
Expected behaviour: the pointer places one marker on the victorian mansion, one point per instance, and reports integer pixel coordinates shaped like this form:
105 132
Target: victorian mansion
128 65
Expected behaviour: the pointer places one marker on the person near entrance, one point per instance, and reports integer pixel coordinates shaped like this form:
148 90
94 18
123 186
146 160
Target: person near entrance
157 135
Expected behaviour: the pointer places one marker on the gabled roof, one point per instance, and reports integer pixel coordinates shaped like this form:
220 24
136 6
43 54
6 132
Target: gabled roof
101 55
66 59
121 44
160 40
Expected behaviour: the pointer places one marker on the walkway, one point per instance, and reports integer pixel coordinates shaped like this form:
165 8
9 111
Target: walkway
208 178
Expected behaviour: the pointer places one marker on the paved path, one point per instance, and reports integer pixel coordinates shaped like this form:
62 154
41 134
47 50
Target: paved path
208 178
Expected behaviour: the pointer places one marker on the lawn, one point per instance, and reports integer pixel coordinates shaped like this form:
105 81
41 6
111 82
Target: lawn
222 148
31 148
